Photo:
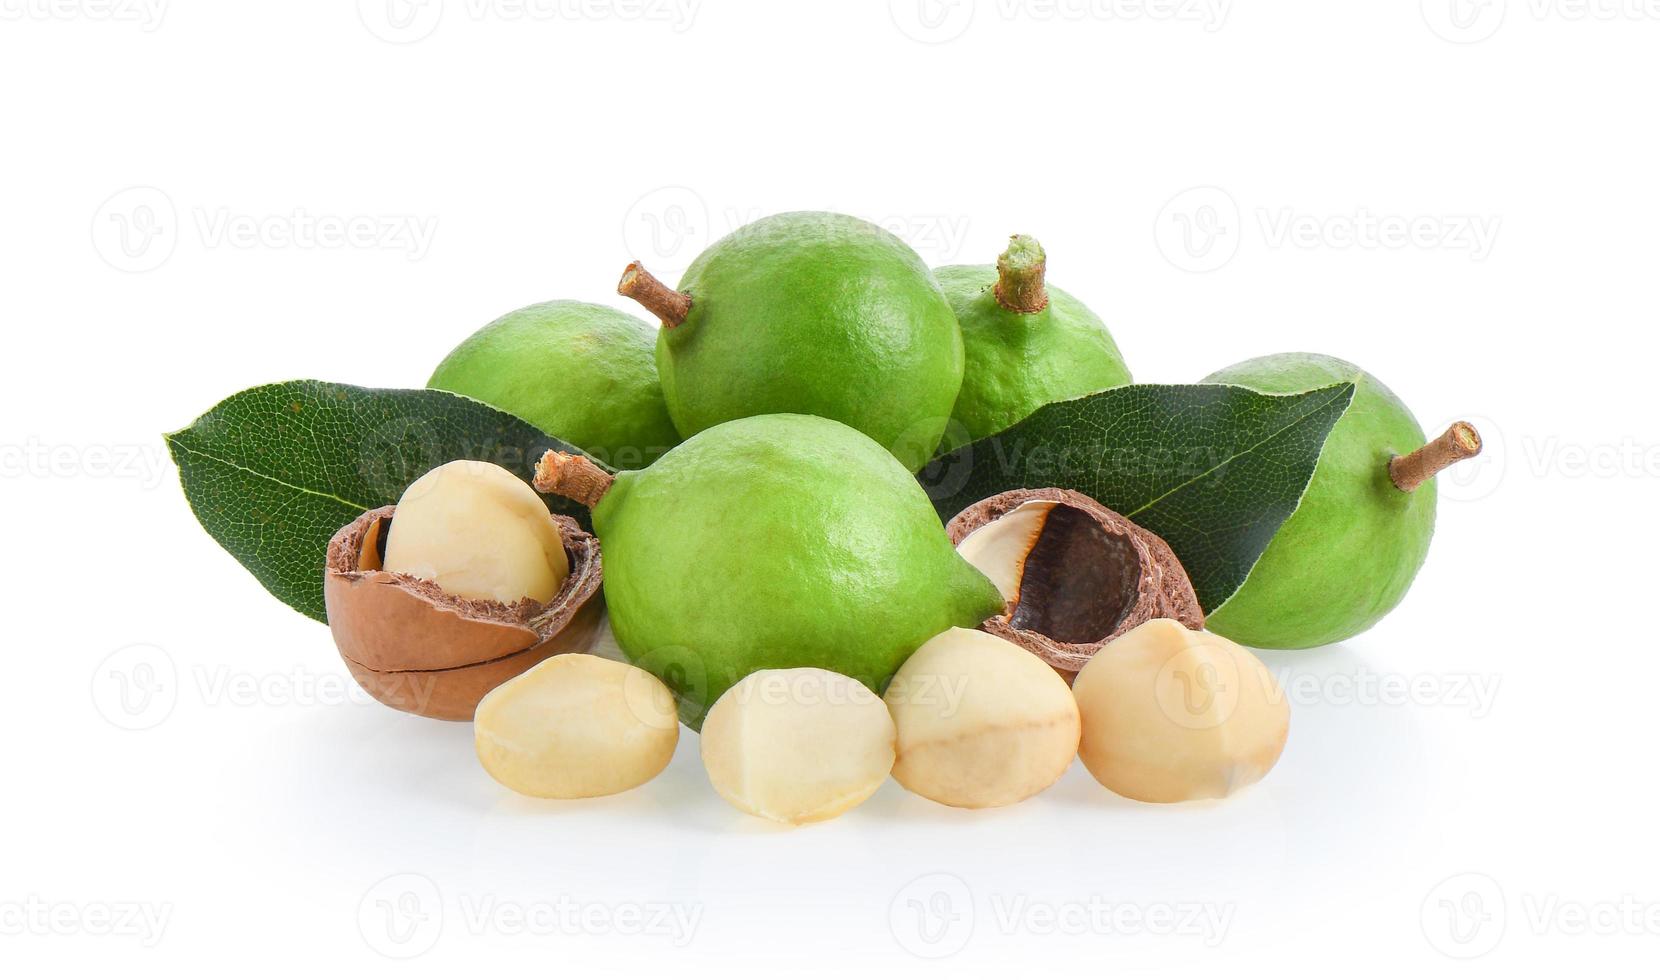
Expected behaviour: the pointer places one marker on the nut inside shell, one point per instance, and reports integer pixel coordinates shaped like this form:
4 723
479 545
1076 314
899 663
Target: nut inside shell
1075 575
419 649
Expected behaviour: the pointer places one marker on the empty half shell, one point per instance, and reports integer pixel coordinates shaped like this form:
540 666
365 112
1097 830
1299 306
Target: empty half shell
1075 575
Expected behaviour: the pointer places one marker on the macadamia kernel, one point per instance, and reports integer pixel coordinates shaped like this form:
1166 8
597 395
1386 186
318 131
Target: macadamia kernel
1171 714
981 722
798 745
576 726
478 532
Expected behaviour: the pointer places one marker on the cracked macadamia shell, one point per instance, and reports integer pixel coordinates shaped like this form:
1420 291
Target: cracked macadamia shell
576 726
418 649
981 722
1074 574
1171 714
797 745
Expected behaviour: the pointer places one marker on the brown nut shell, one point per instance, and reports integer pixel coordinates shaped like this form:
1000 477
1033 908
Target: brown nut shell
1081 575
416 648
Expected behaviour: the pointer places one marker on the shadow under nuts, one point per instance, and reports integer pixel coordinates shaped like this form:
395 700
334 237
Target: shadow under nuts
421 597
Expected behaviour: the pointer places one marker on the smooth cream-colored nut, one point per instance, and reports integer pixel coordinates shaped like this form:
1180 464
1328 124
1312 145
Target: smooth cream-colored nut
576 726
981 722
797 745
478 532
1171 714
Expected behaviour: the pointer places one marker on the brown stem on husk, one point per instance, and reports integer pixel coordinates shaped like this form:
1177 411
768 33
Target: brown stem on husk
573 477
1020 272
1415 469
642 287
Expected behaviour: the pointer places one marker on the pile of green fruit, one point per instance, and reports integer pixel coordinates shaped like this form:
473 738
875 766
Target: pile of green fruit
760 484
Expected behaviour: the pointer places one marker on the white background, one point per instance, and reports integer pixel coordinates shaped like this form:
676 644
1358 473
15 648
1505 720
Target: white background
1459 196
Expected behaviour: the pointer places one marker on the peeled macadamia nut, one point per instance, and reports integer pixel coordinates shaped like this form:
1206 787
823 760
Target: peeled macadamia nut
981 721
1171 714
798 745
576 726
478 532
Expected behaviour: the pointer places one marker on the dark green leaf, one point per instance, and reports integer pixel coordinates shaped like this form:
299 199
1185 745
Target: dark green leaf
274 471
1213 469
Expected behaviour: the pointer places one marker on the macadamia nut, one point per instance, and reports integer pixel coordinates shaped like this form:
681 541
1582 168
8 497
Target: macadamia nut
1171 714
981 722
576 726
798 745
477 531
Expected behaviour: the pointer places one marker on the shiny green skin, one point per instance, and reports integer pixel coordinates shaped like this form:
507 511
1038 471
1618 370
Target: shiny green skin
1351 550
579 372
815 314
1016 363
778 541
